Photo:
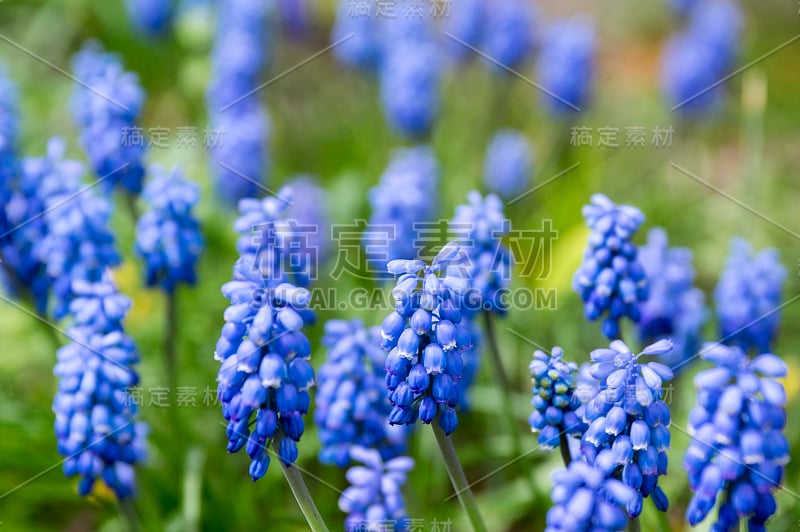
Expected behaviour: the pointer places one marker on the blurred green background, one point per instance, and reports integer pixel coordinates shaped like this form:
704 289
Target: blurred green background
327 121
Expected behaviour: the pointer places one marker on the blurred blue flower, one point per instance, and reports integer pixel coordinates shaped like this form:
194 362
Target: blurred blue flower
9 129
94 414
628 434
464 25
584 498
748 295
168 236
425 339
359 37
77 243
409 80
239 154
675 308
738 450
304 233
352 405
508 166
106 107
265 375
374 499
611 279
471 357
696 61
508 33
554 400
295 16
565 67
480 225
405 195
151 18
683 7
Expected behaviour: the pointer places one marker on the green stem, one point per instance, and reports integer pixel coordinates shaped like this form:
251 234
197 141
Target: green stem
564 447
170 356
633 525
502 382
458 478
130 203
301 494
127 512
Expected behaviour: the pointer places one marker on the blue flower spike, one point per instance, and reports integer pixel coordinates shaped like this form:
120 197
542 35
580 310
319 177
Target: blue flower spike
611 281
424 337
738 450
628 420
554 399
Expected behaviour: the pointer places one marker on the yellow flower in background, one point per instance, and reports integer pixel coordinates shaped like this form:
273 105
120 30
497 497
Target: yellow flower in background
128 279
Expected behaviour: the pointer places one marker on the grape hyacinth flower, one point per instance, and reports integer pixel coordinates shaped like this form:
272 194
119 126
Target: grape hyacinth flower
611 279
95 417
554 399
508 165
738 450
77 244
586 499
239 152
352 405
675 308
358 37
481 225
106 106
471 358
695 60
405 195
628 421
168 237
565 67
463 26
409 75
9 130
151 18
374 500
425 339
748 295
265 374
508 33
304 232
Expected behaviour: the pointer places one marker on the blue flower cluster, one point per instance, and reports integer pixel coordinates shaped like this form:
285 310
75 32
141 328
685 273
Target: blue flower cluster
358 37
265 371
611 279
106 107
508 34
95 416
409 77
565 67
480 225
471 358
277 246
374 500
738 450
698 58
77 243
508 165
425 339
628 434
463 25
748 295
239 157
586 499
675 308
405 195
9 129
554 399
352 405
304 233
168 237
151 18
